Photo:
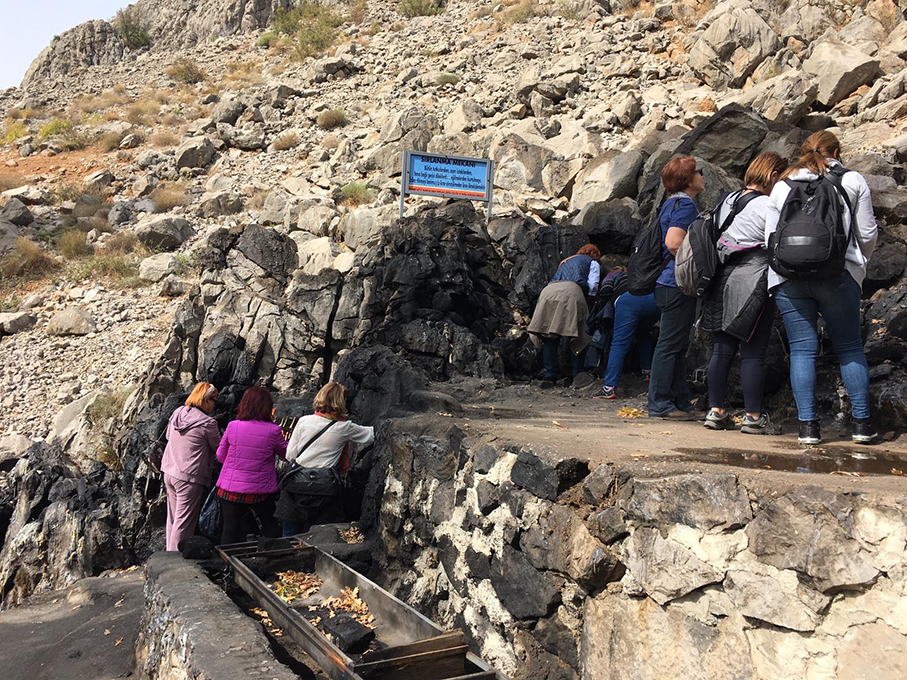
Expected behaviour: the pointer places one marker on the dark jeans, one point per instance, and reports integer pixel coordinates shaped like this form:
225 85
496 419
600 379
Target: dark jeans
668 389
239 521
634 315
838 300
550 354
752 362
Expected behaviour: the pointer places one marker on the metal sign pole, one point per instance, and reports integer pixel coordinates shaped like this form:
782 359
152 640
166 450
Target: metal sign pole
490 191
403 182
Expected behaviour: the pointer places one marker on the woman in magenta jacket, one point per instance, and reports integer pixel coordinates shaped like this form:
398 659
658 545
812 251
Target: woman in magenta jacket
248 479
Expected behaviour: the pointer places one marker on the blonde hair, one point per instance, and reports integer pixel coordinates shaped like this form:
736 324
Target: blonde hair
331 399
815 152
200 393
760 171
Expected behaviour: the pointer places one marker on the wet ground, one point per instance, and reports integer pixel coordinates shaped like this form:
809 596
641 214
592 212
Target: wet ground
568 422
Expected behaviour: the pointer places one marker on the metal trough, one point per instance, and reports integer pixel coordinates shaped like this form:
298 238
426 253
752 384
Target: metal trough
416 649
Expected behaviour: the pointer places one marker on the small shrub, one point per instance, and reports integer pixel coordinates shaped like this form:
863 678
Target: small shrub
332 118
243 73
314 38
184 70
27 260
108 405
75 191
356 193
447 79
167 196
257 201
142 112
118 269
285 141
14 130
54 128
522 11
110 141
418 8
10 181
127 24
121 243
330 141
569 11
71 244
74 140
14 114
164 138
267 39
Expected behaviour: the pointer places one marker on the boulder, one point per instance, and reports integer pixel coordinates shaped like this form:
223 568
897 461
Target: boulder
709 501
597 486
250 137
543 478
783 99
523 590
735 42
12 448
810 531
614 174
157 267
220 203
8 235
16 212
608 525
465 117
780 599
27 194
614 223
164 233
71 321
662 568
363 226
228 110
195 152
16 322
838 70
100 179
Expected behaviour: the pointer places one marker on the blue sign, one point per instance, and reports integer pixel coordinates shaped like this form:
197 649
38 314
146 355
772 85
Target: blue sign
447 177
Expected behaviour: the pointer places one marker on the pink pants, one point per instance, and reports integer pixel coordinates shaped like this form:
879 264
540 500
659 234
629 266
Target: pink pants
184 502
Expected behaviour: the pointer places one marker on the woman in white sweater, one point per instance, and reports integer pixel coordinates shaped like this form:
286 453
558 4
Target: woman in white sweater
320 445
837 299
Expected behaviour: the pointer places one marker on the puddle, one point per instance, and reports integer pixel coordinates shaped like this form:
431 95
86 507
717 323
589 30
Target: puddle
820 460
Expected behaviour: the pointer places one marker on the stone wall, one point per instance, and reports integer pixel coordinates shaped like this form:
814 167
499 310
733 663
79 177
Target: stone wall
689 575
191 629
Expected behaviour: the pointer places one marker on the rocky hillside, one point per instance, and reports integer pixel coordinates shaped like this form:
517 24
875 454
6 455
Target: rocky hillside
246 163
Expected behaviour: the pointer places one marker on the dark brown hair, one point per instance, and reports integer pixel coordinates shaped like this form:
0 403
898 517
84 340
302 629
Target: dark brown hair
815 152
256 404
760 171
678 173
590 250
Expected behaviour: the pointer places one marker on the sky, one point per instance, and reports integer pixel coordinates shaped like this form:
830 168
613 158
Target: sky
30 25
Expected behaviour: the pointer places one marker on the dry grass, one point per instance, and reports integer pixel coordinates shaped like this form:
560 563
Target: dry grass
243 73
91 103
72 245
110 141
447 79
518 12
73 191
143 111
258 198
10 181
184 70
332 118
108 405
418 8
330 141
14 114
26 261
285 141
121 243
168 196
164 138
119 271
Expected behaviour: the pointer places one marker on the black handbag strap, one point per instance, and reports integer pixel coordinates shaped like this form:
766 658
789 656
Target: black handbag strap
297 466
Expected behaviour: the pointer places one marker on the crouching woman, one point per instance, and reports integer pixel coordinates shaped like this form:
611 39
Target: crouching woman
320 451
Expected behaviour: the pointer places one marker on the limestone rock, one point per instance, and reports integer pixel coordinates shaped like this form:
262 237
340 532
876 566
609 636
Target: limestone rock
734 44
27 194
783 99
90 44
157 267
228 110
250 137
165 233
12 448
809 530
71 321
703 501
839 69
778 601
195 152
220 203
465 117
16 322
100 179
8 236
612 175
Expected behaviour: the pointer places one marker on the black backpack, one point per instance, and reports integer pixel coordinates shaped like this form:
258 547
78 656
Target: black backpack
646 260
697 259
810 241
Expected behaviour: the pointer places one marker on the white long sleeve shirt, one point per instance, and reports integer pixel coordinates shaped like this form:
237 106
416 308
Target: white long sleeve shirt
860 249
326 450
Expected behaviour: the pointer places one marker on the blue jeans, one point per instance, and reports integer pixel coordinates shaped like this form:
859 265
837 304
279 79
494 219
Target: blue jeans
550 356
838 301
668 389
633 315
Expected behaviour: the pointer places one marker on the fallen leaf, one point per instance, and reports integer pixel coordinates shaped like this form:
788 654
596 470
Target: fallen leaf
630 412
118 642
107 631
120 602
895 471
557 424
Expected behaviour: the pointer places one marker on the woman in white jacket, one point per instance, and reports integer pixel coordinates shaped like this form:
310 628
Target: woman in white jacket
837 299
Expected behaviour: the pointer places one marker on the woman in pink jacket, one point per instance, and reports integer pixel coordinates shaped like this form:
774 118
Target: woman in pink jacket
248 479
192 438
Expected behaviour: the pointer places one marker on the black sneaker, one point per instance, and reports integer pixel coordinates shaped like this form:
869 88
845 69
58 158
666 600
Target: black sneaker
606 392
809 432
763 425
863 431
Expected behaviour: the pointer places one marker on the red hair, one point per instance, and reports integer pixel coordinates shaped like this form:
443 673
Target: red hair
256 404
678 173
590 250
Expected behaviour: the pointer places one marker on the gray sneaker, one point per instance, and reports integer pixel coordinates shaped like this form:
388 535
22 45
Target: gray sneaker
715 422
762 425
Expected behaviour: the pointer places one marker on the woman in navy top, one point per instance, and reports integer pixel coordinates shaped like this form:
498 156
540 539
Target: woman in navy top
669 394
